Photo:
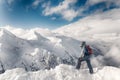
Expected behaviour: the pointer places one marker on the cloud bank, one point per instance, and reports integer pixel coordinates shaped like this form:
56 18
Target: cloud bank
63 9
102 23
67 11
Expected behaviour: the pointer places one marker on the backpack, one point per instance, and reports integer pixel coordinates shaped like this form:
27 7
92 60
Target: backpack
89 49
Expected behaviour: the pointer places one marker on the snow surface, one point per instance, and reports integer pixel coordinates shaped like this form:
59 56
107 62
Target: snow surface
62 72
33 54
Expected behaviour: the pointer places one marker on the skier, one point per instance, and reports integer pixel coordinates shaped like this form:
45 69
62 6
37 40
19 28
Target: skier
85 56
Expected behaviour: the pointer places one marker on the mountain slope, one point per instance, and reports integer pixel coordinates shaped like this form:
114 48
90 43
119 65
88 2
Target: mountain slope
39 52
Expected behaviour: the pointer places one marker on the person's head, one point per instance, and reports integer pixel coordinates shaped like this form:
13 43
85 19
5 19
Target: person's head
83 43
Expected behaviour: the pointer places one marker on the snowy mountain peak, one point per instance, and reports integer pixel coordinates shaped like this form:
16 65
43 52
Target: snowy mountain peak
1 32
4 32
39 36
35 51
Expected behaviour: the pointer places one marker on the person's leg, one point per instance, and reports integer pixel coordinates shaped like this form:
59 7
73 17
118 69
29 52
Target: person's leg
79 63
89 66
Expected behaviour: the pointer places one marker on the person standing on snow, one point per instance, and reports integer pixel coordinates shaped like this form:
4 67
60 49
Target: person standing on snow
85 56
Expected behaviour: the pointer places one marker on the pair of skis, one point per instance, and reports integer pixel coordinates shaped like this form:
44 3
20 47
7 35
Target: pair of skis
82 50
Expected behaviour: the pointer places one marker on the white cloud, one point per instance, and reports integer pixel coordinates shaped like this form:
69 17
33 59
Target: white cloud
69 13
36 3
53 18
117 2
62 9
93 2
102 23
46 5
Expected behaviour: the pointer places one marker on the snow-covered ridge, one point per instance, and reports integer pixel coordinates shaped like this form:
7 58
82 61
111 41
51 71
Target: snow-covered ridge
45 50
36 51
35 47
63 72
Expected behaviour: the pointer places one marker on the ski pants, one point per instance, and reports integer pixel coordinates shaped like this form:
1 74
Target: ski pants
87 59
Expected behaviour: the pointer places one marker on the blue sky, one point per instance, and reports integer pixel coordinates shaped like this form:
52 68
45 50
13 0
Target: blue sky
50 13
